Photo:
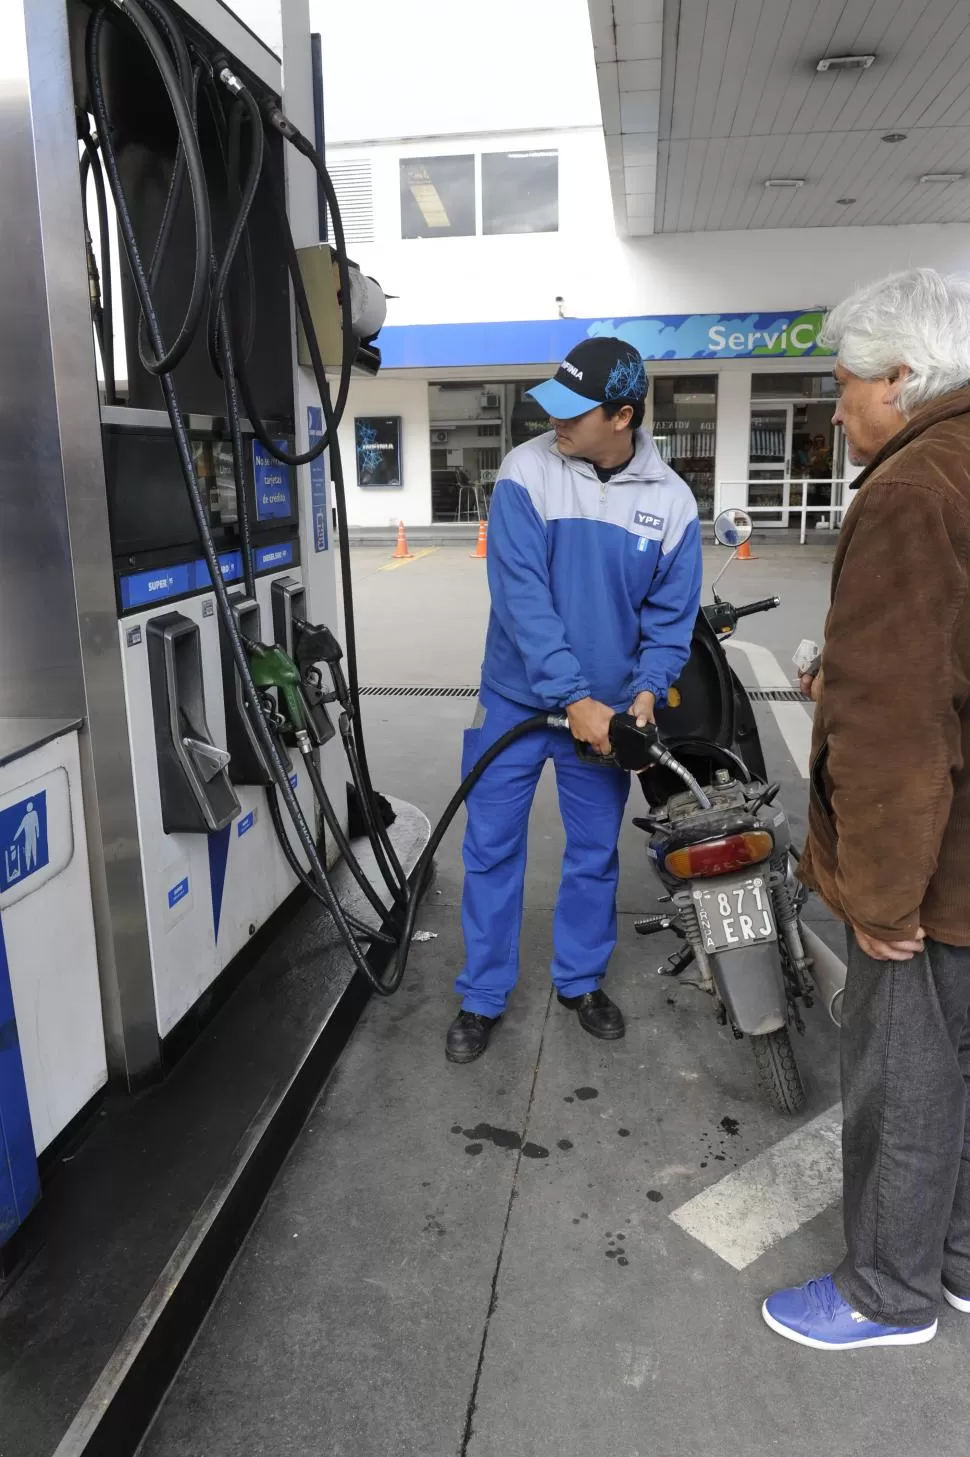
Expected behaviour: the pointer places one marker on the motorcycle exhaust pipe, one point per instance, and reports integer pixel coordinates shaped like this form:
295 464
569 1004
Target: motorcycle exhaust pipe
828 973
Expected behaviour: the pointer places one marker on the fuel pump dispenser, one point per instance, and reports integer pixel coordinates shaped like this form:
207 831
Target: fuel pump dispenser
164 451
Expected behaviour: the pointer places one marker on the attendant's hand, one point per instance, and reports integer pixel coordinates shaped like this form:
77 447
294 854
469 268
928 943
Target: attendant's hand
589 722
643 709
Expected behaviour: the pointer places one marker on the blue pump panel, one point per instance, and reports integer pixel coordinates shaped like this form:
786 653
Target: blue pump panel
19 1179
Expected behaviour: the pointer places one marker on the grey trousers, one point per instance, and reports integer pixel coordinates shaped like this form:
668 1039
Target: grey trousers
906 1136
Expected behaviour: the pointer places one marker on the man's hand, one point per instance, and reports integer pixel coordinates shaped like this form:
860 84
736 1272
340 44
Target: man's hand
589 722
890 950
643 709
809 684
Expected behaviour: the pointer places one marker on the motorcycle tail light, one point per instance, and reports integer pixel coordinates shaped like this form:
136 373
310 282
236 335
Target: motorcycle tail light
717 857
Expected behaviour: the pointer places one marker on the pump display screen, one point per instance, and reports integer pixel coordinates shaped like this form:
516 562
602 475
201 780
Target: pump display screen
148 505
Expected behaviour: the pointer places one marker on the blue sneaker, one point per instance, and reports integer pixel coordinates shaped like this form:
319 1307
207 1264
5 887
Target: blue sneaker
816 1315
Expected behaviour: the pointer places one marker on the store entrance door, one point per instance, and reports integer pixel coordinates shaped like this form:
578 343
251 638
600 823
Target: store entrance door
769 462
791 458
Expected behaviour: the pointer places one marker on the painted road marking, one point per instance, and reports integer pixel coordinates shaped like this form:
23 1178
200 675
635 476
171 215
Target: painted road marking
407 560
771 1196
793 719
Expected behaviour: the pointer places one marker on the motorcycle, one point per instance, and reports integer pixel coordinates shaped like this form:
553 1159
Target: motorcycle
720 844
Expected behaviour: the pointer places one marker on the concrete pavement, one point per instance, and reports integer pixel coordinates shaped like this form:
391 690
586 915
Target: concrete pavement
481 1260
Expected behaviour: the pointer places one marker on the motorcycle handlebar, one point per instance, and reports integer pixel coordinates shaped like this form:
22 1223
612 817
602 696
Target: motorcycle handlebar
765 605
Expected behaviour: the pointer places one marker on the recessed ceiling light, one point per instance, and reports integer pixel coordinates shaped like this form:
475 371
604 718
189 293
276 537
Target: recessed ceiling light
845 201
845 63
895 137
785 182
942 177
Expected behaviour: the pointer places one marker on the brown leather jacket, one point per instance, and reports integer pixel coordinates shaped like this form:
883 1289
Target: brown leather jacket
889 797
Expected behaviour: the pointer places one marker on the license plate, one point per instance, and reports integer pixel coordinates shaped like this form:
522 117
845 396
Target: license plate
734 912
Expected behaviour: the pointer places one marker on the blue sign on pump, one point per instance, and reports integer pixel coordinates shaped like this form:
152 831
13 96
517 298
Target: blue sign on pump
141 589
271 558
318 480
274 495
23 840
178 893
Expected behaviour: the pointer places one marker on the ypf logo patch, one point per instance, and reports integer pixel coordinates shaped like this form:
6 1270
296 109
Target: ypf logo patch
648 521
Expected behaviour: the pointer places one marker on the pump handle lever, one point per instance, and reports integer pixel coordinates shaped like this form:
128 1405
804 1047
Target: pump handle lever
216 759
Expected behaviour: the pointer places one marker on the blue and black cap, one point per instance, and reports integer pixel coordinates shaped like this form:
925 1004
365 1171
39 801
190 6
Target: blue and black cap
596 372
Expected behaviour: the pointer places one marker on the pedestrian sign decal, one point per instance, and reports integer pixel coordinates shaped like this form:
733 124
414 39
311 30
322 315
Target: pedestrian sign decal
23 840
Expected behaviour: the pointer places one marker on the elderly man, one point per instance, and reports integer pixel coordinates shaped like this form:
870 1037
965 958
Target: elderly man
889 818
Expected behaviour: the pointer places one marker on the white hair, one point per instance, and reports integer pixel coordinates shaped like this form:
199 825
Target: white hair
918 318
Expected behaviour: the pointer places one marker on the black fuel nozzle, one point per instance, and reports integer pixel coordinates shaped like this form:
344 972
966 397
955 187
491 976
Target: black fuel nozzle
635 748
313 643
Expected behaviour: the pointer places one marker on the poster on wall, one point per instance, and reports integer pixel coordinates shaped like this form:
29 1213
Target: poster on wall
378 444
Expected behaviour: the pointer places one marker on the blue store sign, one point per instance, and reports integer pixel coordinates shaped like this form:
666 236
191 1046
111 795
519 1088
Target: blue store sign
791 335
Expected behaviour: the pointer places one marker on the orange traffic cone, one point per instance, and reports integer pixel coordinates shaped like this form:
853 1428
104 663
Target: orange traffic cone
481 549
401 552
745 554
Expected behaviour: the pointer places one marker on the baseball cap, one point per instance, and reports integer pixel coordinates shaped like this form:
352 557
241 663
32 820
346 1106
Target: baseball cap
596 372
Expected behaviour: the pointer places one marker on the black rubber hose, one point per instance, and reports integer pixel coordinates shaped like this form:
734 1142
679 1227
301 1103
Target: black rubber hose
244 103
388 863
329 436
331 414
422 871
222 344
176 186
106 339
340 839
331 421
292 859
183 446
164 360
94 277
336 474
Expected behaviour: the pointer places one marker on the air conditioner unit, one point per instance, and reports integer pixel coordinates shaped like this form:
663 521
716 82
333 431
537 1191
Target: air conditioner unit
439 437
487 401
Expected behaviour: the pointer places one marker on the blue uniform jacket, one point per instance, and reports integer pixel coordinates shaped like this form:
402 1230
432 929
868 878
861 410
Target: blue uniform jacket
594 587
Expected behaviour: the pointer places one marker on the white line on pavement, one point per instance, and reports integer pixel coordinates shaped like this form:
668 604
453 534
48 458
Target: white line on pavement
755 1206
793 720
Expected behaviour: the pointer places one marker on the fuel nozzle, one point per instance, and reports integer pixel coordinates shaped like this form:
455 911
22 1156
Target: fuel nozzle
637 748
313 643
272 669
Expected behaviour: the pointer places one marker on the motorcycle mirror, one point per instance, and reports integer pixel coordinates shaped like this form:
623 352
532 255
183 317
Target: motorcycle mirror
733 528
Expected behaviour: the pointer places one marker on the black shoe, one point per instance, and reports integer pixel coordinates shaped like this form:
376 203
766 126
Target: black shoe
597 1014
468 1036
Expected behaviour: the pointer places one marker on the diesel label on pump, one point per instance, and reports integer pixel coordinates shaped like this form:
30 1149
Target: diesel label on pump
274 494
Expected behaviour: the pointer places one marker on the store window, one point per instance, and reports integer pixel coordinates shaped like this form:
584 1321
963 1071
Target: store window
520 192
793 386
438 197
685 430
528 418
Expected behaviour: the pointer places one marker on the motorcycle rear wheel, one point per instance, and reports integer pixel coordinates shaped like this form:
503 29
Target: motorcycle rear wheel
778 1070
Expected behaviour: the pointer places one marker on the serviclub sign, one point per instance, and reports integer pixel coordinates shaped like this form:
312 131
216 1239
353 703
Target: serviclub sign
791 335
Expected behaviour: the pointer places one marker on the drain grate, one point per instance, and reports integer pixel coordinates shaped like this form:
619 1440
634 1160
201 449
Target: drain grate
427 690
776 695
414 690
